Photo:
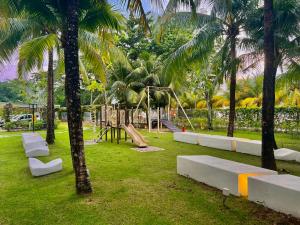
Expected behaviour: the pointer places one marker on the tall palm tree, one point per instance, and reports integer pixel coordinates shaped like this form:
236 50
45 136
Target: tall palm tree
225 22
278 29
209 82
268 159
72 90
66 14
44 35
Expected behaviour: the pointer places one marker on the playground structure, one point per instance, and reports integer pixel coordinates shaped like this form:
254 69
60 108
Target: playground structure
162 118
113 120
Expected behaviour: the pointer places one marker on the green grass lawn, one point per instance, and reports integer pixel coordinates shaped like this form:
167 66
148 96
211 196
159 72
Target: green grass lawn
130 187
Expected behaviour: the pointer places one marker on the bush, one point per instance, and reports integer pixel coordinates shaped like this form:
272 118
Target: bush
24 125
287 119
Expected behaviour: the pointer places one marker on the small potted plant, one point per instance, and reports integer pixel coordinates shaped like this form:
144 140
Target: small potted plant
183 126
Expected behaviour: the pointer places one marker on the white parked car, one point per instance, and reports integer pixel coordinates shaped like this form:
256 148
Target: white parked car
2 122
23 117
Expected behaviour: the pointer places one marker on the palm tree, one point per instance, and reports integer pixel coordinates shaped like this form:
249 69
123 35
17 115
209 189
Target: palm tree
209 82
44 36
278 29
72 90
66 16
268 159
226 23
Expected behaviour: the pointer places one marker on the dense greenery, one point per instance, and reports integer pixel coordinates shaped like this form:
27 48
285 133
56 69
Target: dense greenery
287 119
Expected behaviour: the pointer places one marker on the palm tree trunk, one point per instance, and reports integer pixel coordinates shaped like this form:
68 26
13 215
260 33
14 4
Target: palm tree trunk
232 87
50 99
209 111
268 160
72 90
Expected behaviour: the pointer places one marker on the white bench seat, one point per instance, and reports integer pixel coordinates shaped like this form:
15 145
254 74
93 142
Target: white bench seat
38 168
278 192
219 173
286 154
251 147
298 158
34 145
207 140
186 137
217 141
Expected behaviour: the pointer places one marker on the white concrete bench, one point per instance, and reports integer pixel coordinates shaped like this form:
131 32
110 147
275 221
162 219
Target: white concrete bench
34 145
207 140
251 147
38 150
298 158
219 173
278 192
217 141
186 137
31 139
38 168
286 154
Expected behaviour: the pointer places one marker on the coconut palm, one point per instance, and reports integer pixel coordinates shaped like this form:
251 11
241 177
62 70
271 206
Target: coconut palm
268 159
209 82
278 30
66 14
221 30
46 37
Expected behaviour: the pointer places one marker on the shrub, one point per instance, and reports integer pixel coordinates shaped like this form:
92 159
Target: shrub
24 125
287 119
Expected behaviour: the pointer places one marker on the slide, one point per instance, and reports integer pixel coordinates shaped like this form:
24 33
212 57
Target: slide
168 124
137 138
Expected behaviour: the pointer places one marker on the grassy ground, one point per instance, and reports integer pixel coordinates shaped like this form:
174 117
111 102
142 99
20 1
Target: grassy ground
129 187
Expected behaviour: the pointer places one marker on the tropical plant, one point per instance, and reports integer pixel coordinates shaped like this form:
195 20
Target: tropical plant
220 30
278 30
45 35
66 14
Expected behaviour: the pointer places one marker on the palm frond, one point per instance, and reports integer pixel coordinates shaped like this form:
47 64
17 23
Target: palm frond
93 57
197 48
290 77
31 53
102 16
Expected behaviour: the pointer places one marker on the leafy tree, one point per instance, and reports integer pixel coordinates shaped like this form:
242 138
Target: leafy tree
45 35
278 30
10 91
224 23
66 15
7 111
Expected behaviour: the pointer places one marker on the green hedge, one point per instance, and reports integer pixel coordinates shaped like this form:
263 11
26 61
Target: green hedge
287 119
26 125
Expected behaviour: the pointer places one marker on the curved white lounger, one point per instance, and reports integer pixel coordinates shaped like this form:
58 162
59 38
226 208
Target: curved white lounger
38 168
34 145
286 154
298 158
39 150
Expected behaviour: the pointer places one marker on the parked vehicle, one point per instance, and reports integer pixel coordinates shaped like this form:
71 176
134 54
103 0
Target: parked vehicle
2 122
24 117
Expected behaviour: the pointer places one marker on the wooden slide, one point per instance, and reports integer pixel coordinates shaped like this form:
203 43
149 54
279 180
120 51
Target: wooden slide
137 138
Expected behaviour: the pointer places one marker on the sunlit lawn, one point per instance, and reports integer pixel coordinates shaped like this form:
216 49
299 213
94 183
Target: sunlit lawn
130 187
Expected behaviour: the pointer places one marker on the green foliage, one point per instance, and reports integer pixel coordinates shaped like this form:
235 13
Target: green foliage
10 91
7 112
287 119
26 125
22 125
